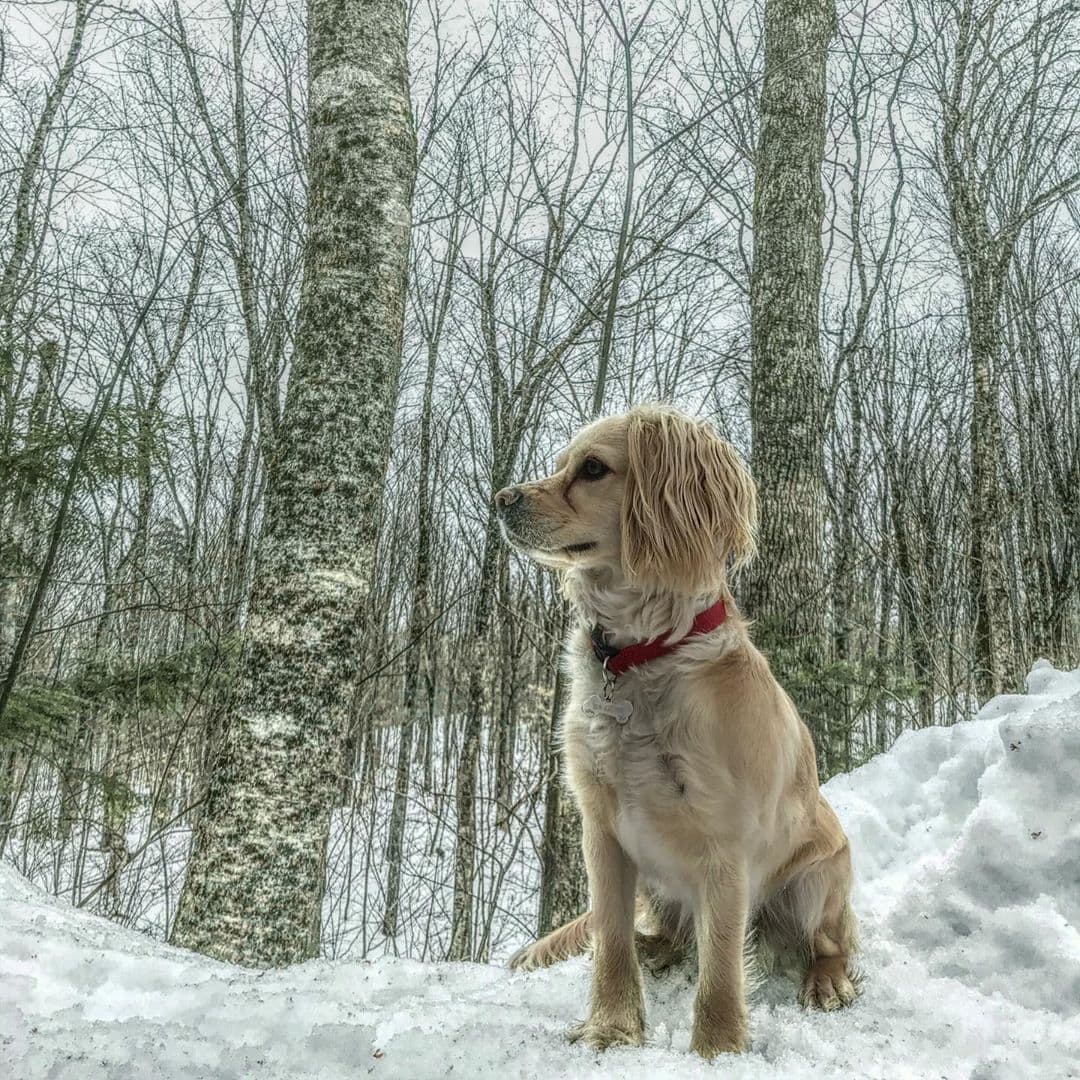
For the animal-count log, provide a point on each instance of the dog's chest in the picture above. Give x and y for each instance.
(622, 727)
(637, 759)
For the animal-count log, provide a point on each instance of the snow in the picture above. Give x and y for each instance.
(967, 848)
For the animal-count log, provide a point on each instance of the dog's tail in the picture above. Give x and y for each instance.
(571, 939)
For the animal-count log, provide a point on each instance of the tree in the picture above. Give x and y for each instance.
(787, 594)
(16, 497)
(255, 882)
(154, 328)
(1010, 129)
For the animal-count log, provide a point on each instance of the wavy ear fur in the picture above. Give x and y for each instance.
(690, 504)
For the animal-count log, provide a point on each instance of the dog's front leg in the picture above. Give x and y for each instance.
(616, 1012)
(720, 1005)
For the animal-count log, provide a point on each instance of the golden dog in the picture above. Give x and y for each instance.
(695, 775)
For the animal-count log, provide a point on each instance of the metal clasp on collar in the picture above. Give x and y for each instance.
(609, 680)
(596, 704)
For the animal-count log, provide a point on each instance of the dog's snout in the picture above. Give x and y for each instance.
(507, 498)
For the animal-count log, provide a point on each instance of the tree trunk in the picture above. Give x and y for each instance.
(9, 767)
(255, 882)
(418, 619)
(505, 695)
(786, 593)
(993, 646)
(563, 888)
(468, 762)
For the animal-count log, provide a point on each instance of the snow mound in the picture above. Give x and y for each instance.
(967, 850)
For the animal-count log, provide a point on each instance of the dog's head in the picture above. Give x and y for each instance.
(653, 494)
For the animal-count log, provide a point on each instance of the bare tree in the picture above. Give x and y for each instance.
(582, 230)
(787, 399)
(254, 887)
(1001, 70)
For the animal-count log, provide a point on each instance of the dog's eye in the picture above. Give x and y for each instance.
(592, 469)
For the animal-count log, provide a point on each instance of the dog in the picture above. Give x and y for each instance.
(695, 775)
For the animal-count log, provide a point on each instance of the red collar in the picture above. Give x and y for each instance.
(641, 652)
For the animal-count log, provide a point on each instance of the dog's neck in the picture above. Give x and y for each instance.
(629, 612)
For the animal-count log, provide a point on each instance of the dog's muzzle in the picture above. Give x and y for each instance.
(512, 508)
(509, 502)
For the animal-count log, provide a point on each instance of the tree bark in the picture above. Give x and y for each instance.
(563, 889)
(786, 593)
(461, 929)
(993, 645)
(255, 883)
(418, 620)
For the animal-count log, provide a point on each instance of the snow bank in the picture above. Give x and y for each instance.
(967, 847)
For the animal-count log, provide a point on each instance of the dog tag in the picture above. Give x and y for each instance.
(595, 705)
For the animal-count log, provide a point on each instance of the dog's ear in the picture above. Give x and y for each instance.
(690, 504)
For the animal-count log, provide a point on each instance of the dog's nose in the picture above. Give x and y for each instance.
(506, 498)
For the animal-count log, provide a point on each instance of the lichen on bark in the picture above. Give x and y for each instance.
(786, 593)
(255, 882)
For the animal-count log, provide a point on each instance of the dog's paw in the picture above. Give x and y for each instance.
(828, 985)
(530, 958)
(657, 953)
(725, 1036)
(600, 1034)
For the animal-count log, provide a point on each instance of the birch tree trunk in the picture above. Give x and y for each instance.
(786, 593)
(254, 887)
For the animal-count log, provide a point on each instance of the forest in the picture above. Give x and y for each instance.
(259, 384)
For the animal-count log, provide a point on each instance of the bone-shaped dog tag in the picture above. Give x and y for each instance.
(595, 705)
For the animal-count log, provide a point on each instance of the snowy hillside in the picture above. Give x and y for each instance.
(967, 848)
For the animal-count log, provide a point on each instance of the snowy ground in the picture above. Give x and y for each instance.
(506, 884)
(967, 846)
